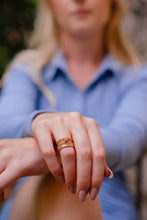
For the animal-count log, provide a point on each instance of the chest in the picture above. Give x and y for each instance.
(98, 101)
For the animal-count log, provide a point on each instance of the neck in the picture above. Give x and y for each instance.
(83, 50)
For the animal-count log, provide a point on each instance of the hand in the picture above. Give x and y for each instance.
(84, 165)
(19, 158)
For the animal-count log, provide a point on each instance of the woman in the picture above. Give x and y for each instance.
(83, 65)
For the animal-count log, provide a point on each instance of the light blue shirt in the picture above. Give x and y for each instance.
(116, 97)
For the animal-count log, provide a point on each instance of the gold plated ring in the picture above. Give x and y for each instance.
(65, 142)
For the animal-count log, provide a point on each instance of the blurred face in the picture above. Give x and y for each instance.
(81, 18)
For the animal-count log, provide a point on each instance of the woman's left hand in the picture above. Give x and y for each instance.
(84, 165)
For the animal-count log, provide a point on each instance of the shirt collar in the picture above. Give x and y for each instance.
(58, 62)
(110, 63)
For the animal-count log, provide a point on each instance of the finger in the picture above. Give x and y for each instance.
(45, 142)
(67, 154)
(108, 172)
(9, 176)
(83, 153)
(69, 167)
(1, 196)
(99, 157)
(2, 168)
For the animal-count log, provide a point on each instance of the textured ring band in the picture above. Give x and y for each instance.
(65, 142)
(64, 146)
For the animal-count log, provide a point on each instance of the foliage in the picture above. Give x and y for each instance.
(16, 22)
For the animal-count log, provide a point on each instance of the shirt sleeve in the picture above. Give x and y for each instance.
(18, 104)
(126, 136)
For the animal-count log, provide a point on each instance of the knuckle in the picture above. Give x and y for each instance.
(91, 122)
(83, 183)
(97, 181)
(70, 179)
(68, 153)
(85, 153)
(39, 125)
(55, 169)
(59, 119)
(100, 155)
(76, 115)
(48, 153)
(7, 154)
(94, 123)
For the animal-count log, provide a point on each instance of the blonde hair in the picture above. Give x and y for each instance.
(44, 42)
(115, 42)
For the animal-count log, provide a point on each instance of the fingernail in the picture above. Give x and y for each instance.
(73, 189)
(61, 179)
(108, 173)
(93, 193)
(82, 195)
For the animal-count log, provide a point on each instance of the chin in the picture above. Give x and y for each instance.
(84, 30)
(83, 33)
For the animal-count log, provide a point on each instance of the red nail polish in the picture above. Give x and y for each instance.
(108, 172)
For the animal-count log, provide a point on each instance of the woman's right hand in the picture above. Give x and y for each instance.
(84, 166)
(19, 158)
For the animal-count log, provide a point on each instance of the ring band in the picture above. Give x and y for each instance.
(65, 142)
(64, 146)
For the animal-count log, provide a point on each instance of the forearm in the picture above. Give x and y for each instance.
(17, 126)
(126, 134)
(13, 127)
(123, 147)
(18, 100)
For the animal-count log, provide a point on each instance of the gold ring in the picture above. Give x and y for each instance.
(65, 142)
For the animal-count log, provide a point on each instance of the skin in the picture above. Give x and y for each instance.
(53, 202)
(77, 25)
(26, 153)
(81, 39)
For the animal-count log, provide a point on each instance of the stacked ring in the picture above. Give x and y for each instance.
(65, 142)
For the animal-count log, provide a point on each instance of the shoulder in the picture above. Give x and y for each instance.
(24, 60)
(130, 76)
(23, 63)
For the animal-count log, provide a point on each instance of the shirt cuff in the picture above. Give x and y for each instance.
(30, 119)
(112, 146)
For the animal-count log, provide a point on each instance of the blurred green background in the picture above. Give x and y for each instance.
(16, 22)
